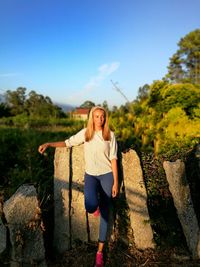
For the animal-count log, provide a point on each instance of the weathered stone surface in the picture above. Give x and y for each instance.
(137, 200)
(71, 221)
(22, 214)
(179, 188)
(2, 237)
(78, 213)
(61, 199)
(81, 228)
(93, 227)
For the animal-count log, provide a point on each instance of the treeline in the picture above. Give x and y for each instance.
(33, 105)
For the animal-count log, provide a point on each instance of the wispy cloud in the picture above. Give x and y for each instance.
(104, 71)
(11, 74)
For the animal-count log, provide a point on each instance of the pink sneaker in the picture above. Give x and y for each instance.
(99, 259)
(97, 212)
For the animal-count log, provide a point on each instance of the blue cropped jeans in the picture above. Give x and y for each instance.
(98, 193)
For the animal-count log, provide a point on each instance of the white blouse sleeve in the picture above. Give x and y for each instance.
(113, 147)
(76, 139)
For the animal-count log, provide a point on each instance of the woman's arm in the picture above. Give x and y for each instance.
(43, 147)
(115, 175)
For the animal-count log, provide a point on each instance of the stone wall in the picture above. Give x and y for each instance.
(69, 201)
(69, 167)
(20, 220)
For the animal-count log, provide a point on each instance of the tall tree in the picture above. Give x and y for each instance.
(38, 105)
(15, 100)
(184, 65)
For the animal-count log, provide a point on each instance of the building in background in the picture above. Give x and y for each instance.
(81, 113)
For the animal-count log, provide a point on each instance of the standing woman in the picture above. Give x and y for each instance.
(101, 173)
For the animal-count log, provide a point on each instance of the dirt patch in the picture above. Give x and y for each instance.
(124, 254)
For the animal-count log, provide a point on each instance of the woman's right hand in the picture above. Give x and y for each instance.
(43, 147)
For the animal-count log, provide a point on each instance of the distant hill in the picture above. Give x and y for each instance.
(65, 107)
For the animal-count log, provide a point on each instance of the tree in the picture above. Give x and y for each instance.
(87, 104)
(15, 100)
(40, 106)
(176, 131)
(4, 110)
(184, 65)
(155, 97)
(105, 105)
(143, 92)
(185, 96)
(33, 105)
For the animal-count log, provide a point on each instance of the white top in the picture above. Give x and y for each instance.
(98, 152)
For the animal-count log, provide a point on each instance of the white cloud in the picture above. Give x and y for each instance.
(104, 71)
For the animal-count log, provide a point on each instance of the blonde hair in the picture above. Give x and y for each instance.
(89, 133)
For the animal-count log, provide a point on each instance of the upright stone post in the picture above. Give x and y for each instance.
(78, 214)
(71, 223)
(136, 196)
(82, 227)
(179, 188)
(61, 199)
(22, 214)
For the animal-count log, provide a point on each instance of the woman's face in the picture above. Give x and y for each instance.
(98, 119)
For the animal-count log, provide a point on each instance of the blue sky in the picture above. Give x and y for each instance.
(70, 50)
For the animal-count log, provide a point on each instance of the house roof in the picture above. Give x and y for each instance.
(82, 111)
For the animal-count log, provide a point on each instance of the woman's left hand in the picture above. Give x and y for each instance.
(114, 190)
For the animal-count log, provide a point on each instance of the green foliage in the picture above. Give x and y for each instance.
(164, 96)
(25, 121)
(33, 105)
(196, 112)
(168, 118)
(185, 63)
(122, 124)
(186, 96)
(20, 161)
(143, 92)
(15, 100)
(4, 110)
(155, 96)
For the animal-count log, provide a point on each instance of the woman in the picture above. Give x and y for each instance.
(101, 174)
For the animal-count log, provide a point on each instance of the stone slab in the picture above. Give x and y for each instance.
(136, 196)
(179, 188)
